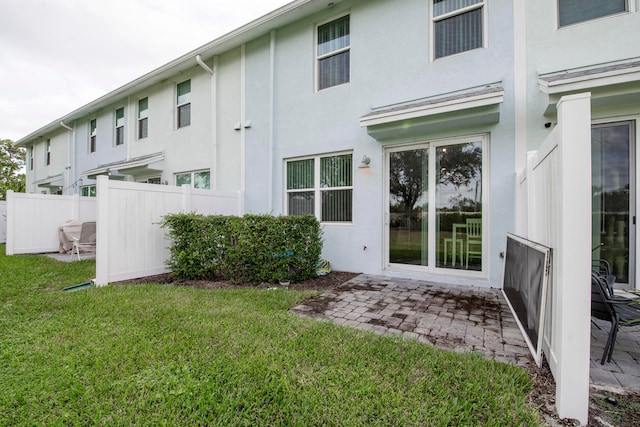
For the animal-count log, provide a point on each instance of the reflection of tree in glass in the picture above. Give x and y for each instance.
(407, 170)
(335, 171)
(459, 164)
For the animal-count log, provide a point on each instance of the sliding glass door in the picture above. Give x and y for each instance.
(613, 191)
(435, 205)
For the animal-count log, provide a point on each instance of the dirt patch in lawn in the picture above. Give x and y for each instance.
(606, 408)
(321, 283)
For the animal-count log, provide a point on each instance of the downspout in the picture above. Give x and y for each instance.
(272, 81)
(203, 65)
(71, 152)
(243, 132)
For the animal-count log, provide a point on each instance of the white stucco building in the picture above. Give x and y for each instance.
(438, 101)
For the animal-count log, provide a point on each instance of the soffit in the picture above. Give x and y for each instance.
(610, 84)
(135, 166)
(470, 107)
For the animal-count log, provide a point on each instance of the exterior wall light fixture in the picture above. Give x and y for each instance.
(365, 162)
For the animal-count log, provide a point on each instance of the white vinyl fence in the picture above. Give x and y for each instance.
(33, 220)
(130, 240)
(3, 221)
(554, 208)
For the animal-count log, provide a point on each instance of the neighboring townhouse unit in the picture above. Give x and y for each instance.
(578, 46)
(400, 124)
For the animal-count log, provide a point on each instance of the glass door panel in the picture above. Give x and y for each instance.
(408, 197)
(458, 193)
(612, 191)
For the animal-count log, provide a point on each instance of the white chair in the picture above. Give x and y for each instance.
(87, 238)
(474, 239)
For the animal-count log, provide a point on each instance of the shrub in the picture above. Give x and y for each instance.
(249, 249)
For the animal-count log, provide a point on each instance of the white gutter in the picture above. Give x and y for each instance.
(71, 153)
(203, 65)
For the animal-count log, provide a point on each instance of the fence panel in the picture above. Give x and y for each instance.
(130, 241)
(33, 220)
(3, 221)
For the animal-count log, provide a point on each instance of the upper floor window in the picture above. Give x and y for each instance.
(120, 126)
(47, 152)
(321, 186)
(574, 11)
(183, 103)
(92, 135)
(333, 53)
(143, 118)
(196, 179)
(457, 26)
(31, 158)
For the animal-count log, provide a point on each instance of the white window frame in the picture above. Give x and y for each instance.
(431, 268)
(317, 189)
(31, 150)
(183, 104)
(192, 179)
(93, 132)
(319, 57)
(143, 115)
(485, 38)
(630, 6)
(119, 125)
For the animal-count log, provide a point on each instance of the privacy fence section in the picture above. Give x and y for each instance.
(3, 221)
(33, 220)
(554, 199)
(130, 240)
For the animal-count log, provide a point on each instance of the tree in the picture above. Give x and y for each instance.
(12, 162)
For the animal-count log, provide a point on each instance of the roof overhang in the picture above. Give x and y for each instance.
(467, 108)
(259, 27)
(615, 83)
(50, 181)
(137, 166)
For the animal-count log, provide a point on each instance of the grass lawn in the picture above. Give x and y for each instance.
(166, 355)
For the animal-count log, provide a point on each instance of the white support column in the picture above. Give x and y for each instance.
(573, 258)
(102, 231)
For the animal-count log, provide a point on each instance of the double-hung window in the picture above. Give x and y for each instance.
(92, 135)
(574, 11)
(196, 179)
(143, 118)
(47, 152)
(333, 53)
(321, 186)
(120, 126)
(183, 103)
(31, 158)
(458, 26)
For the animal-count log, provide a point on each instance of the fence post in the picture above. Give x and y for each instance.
(9, 247)
(572, 290)
(102, 231)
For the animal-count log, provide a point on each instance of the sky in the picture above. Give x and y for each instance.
(58, 55)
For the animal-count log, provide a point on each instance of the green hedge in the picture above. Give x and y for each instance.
(249, 249)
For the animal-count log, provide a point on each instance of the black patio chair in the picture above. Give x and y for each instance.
(617, 310)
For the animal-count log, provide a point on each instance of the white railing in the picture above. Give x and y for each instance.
(553, 204)
(130, 241)
(33, 220)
